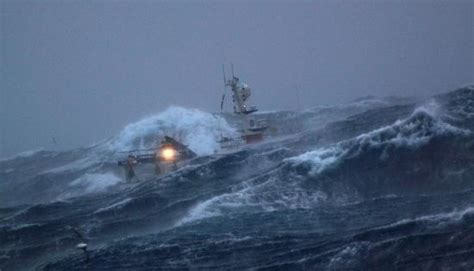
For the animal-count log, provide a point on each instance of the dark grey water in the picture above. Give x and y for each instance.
(372, 185)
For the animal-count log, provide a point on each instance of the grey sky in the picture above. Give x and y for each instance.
(80, 70)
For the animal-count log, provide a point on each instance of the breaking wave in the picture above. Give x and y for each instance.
(197, 129)
(91, 183)
(417, 130)
(381, 186)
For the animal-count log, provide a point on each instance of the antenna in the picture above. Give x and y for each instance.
(232, 66)
(223, 72)
(225, 84)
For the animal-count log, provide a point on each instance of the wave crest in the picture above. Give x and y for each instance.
(195, 128)
(412, 132)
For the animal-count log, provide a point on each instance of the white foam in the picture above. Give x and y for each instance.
(91, 183)
(115, 206)
(200, 211)
(195, 128)
(413, 132)
(73, 166)
(24, 154)
(347, 256)
(321, 158)
(436, 220)
(271, 195)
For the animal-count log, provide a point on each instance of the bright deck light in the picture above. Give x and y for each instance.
(168, 154)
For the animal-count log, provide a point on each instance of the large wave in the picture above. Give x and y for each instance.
(374, 164)
(381, 187)
(419, 154)
(417, 130)
(46, 176)
(197, 129)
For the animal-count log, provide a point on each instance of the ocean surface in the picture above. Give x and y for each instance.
(374, 184)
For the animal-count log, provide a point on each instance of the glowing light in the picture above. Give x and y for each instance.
(168, 154)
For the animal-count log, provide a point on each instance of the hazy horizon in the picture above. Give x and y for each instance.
(80, 71)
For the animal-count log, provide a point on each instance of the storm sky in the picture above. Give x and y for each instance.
(81, 70)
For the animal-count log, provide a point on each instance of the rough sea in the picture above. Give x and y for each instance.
(374, 184)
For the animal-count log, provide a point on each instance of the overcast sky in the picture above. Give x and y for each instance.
(81, 70)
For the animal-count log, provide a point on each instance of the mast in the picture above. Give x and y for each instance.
(240, 93)
(252, 128)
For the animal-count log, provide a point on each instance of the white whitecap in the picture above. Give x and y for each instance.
(197, 129)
